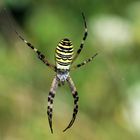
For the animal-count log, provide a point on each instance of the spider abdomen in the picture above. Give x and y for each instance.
(64, 54)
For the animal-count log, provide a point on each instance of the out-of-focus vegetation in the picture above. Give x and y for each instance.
(109, 87)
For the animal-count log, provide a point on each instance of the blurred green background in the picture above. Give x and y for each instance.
(108, 87)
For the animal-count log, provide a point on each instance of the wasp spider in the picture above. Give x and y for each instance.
(64, 58)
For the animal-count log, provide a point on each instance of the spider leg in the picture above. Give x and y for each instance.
(83, 40)
(39, 54)
(76, 98)
(50, 101)
(83, 63)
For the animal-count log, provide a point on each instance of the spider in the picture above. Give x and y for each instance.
(64, 58)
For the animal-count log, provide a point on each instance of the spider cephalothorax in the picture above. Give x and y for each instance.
(62, 75)
(64, 59)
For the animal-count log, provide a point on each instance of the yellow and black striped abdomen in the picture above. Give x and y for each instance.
(64, 54)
